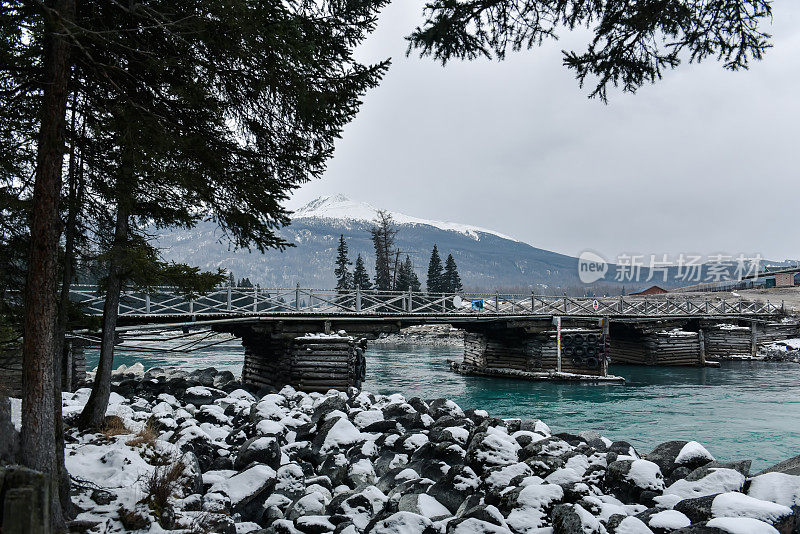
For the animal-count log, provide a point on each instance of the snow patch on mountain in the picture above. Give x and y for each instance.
(339, 207)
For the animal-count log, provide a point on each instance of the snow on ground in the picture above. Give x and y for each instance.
(719, 480)
(691, 452)
(303, 463)
(646, 474)
(669, 519)
(734, 504)
(742, 525)
(633, 525)
(779, 488)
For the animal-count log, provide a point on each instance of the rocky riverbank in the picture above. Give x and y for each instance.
(781, 351)
(427, 335)
(195, 452)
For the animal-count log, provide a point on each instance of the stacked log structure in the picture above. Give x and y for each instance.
(778, 330)
(725, 340)
(73, 369)
(307, 363)
(320, 364)
(664, 347)
(582, 352)
(674, 347)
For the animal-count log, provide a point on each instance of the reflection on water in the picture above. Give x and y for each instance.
(741, 410)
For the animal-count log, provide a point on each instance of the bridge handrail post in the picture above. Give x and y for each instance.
(147, 303)
(621, 304)
(255, 299)
(410, 301)
(358, 298)
(496, 302)
(297, 297)
(533, 301)
(191, 306)
(228, 304)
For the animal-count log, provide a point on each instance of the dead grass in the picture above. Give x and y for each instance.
(133, 519)
(146, 436)
(161, 484)
(114, 426)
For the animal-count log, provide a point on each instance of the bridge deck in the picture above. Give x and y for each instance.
(230, 303)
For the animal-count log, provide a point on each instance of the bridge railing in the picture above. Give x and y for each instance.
(255, 300)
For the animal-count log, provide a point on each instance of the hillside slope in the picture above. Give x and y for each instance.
(486, 259)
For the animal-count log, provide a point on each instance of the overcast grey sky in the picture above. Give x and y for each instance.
(705, 161)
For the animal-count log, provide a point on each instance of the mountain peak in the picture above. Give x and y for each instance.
(343, 208)
(336, 207)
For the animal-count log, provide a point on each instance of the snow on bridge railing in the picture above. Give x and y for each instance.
(229, 300)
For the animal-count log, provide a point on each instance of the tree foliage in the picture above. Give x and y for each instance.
(451, 280)
(344, 278)
(407, 279)
(360, 275)
(177, 112)
(383, 233)
(633, 42)
(435, 280)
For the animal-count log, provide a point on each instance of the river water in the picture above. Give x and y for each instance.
(740, 410)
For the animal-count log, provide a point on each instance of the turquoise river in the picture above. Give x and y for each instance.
(741, 410)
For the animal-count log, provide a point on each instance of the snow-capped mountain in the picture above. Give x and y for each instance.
(342, 208)
(485, 258)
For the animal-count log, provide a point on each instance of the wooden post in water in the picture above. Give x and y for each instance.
(558, 343)
(702, 339)
(606, 332)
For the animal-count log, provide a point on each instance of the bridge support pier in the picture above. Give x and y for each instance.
(73, 368)
(313, 362)
(535, 350)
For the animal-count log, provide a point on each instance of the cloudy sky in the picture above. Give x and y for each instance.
(705, 161)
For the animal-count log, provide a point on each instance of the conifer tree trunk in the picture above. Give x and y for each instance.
(70, 228)
(93, 415)
(38, 403)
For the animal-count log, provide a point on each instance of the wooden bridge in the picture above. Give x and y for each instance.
(168, 303)
(289, 335)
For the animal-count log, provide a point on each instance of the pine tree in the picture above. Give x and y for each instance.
(168, 146)
(403, 281)
(344, 279)
(452, 280)
(360, 275)
(406, 277)
(383, 235)
(627, 49)
(435, 282)
(414, 283)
